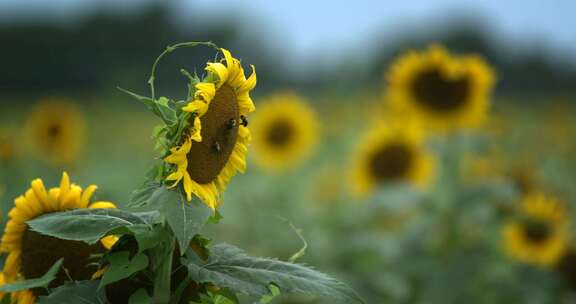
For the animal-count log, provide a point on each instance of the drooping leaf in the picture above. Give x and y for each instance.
(140, 297)
(84, 292)
(230, 267)
(186, 219)
(87, 225)
(121, 266)
(42, 281)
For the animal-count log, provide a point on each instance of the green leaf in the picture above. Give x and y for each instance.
(84, 292)
(140, 297)
(87, 225)
(230, 267)
(167, 113)
(186, 219)
(149, 102)
(43, 281)
(274, 292)
(121, 266)
(140, 197)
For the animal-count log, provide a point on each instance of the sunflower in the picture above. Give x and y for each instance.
(7, 145)
(391, 152)
(56, 128)
(215, 146)
(285, 132)
(441, 89)
(539, 234)
(31, 254)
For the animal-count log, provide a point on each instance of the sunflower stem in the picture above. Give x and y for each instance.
(170, 49)
(162, 262)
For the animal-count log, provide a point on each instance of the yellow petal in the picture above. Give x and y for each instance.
(64, 184)
(205, 91)
(197, 106)
(86, 195)
(219, 70)
(102, 205)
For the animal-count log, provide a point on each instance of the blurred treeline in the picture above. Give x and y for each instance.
(103, 50)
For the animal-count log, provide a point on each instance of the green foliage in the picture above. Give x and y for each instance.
(87, 225)
(85, 292)
(122, 266)
(186, 219)
(42, 281)
(230, 267)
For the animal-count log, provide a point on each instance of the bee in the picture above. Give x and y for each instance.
(243, 120)
(231, 124)
(217, 147)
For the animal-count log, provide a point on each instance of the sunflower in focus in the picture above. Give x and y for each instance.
(539, 233)
(389, 153)
(31, 254)
(285, 132)
(443, 90)
(215, 146)
(56, 128)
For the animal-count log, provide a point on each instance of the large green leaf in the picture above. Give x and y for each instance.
(121, 266)
(230, 267)
(82, 292)
(186, 219)
(42, 281)
(140, 197)
(88, 225)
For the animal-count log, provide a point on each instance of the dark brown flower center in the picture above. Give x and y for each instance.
(219, 133)
(53, 131)
(280, 133)
(40, 252)
(537, 231)
(438, 93)
(391, 162)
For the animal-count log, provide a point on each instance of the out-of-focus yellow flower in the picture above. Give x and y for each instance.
(57, 130)
(285, 132)
(443, 90)
(391, 152)
(539, 233)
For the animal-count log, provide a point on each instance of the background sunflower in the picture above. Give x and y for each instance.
(285, 132)
(539, 235)
(441, 89)
(391, 152)
(56, 130)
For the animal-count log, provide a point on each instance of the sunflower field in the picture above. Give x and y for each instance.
(229, 184)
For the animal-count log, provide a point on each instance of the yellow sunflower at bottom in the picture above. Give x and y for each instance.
(215, 146)
(56, 130)
(539, 233)
(443, 90)
(389, 153)
(285, 132)
(31, 254)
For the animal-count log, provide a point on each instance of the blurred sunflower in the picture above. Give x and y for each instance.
(539, 234)
(389, 153)
(215, 147)
(285, 132)
(7, 145)
(31, 254)
(442, 90)
(56, 128)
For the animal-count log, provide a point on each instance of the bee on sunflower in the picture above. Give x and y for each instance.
(285, 132)
(213, 147)
(56, 129)
(31, 254)
(389, 153)
(538, 235)
(441, 89)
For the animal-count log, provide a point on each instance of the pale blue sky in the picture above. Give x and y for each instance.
(307, 29)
